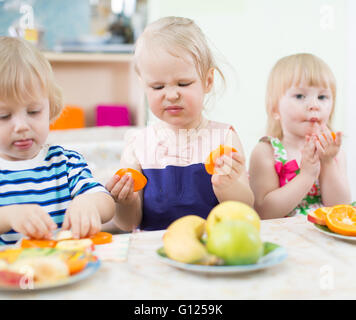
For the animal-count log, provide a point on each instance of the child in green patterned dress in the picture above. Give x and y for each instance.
(299, 166)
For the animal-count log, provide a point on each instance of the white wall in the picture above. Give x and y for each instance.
(252, 35)
(351, 102)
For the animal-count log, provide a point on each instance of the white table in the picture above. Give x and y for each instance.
(317, 267)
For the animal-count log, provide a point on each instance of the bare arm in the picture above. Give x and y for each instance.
(271, 200)
(334, 182)
(333, 178)
(128, 203)
(231, 182)
(5, 214)
(103, 202)
(128, 216)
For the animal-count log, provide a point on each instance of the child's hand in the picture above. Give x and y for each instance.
(227, 169)
(326, 146)
(121, 189)
(310, 163)
(82, 217)
(31, 220)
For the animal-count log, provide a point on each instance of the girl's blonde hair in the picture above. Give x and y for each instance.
(25, 74)
(174, 34)
(293, 70)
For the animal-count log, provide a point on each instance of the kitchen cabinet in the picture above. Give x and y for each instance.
(91, 79)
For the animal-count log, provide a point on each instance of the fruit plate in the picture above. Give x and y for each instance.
(89, 270)
(326, 230)
(273, 254)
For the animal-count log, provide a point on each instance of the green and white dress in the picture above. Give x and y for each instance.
(286, 171)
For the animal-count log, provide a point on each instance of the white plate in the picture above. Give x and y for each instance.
(327, 231)
(90, 269)
(274, 257)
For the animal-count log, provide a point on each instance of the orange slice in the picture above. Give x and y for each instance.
(318, 216)
(31, 243)
(101, 238)
(218, 152)
(342, 219)
(139, 179)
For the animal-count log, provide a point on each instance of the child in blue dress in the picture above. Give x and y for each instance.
(177, 70)
(42, 187)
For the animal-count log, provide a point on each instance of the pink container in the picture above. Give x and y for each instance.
(110, 115)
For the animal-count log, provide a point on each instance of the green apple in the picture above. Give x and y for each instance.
(232, 210)
(237, 242)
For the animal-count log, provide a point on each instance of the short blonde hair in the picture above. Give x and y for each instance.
(174, 33)
(23, 71)
(292, 70)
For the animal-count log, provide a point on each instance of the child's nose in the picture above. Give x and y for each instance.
(313, 105)
(20, 124)
(172, 94)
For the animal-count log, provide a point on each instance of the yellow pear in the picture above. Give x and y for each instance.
(182, 243)
(232, 210)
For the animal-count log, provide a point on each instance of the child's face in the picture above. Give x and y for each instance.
(173, 87)
(303, 109)
(23, 129)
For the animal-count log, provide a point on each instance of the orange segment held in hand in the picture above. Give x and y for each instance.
(139, 179)
(342, 219)
(332, 134)
(218, 152)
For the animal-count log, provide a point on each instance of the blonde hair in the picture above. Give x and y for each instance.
(25, 74)
(174, 33)
(293, 70)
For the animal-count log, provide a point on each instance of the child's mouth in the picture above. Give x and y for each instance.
(314, 120)
(23, 144)
(174, 109)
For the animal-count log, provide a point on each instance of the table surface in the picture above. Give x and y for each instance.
(318, 266)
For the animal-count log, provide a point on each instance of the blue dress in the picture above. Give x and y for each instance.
(174, 165)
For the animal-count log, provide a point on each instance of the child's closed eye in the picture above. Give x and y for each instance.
(33, 112)
(4, 116)
(158, 87)
(184, 84)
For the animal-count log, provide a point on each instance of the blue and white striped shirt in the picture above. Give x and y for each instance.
(51, 179)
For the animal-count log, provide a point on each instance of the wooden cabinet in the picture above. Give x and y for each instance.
(91, 79)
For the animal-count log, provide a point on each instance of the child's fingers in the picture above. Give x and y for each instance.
(338, 138)
(112, 182)
(116, 190)
(126, 189)
(47, 220)
(238, 157)
(42, 230)
(223, 165)
(95, 224)
(320, 145)
(308, 147)
(66, 222)
(84, 225)
(74, 223)
(29, 230)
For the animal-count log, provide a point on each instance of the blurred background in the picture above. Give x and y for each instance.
(89, 44)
